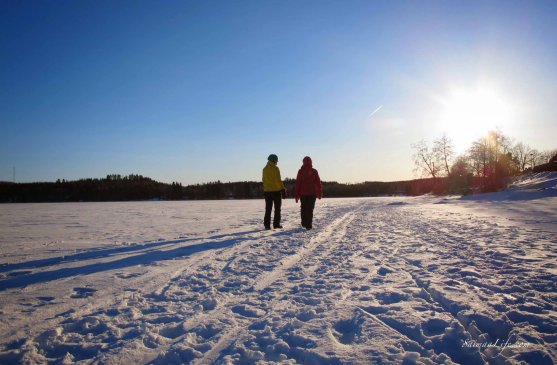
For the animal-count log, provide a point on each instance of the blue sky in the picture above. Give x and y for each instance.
(197, 91)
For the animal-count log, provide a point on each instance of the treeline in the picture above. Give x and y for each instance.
(378, 188)
(111, 188)
(486, 166)
(138, 188)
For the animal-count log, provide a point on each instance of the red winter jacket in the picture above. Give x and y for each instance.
(308, 181)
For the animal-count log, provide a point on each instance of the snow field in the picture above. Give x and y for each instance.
(383, 280)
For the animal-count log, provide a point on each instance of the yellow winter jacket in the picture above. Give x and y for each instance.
(271, 178)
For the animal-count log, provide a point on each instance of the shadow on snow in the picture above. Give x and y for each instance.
(105, 252)
(146, 258)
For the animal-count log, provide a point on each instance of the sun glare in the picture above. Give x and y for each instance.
(468, 115)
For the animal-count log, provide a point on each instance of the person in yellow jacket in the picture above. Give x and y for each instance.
(273, 189)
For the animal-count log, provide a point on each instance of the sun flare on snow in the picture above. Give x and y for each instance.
(468, 115)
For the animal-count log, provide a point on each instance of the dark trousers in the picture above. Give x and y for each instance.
(306, 209)
(272, 197)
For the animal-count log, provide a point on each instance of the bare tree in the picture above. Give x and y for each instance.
(505, 142)
(546, 156)
(498, 145)
(534, 157)
(478, 155)
(553, 154)
(521, 152)
(425, 160)
(486, 153)
(443, 149)
(493, 157)
(460, 167)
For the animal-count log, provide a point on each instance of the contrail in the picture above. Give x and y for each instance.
(375, 111)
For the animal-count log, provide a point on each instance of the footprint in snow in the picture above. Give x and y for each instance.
(172, 331)
(247, 311)
(46, 299)
(82, 292)
(384, 271)
(391, 297)
(345, 331)
(434, 327)
(122, 275)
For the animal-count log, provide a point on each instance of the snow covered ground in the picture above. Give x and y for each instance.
(424, 280)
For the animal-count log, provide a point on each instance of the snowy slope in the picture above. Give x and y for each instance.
(378, 281)
(528, 187)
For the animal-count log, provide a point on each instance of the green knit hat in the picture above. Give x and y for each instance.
(272, 157)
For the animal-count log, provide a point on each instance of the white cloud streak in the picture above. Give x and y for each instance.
(375, 111)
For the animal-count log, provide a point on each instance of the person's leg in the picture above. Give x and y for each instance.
(303, 210)
(268, 208)
(311, 205)
(302, 215)
(277, 199)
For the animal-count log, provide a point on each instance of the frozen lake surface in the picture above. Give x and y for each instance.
(423, 280)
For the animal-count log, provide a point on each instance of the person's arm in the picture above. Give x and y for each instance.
(280, 180)
(298, 186)
(264, 178)
(318, 184)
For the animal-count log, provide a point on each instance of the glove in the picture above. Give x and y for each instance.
(297, 198)
(283, 193)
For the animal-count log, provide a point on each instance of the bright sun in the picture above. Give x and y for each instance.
(468, 115)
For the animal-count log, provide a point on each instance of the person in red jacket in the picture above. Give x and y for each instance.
(308, 189)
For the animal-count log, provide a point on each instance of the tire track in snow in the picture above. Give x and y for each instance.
(333, 236)
(192, 262)
(335, 230)
(387, 253)
(510, 265)
(148, 282)
(348, 304)
(74, 310)
(192, 266)
(203, 256)
(459, 251)
(433, 235)
(222, 311)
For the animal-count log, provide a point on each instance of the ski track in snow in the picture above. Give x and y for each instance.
(378, 281)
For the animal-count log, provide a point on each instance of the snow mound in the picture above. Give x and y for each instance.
(537, 181)
(528, 187)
